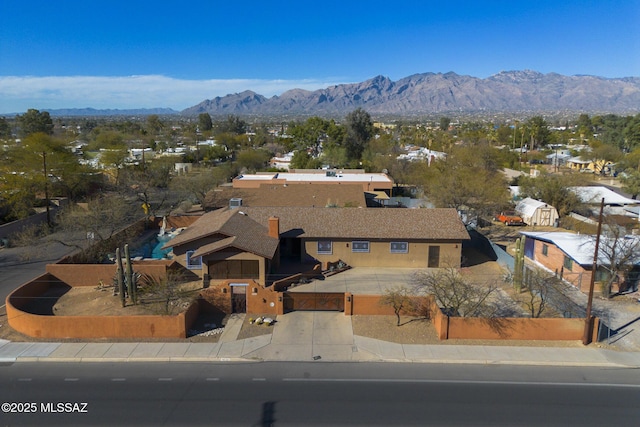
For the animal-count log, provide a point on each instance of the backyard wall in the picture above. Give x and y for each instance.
(92, 274)
(49, 326)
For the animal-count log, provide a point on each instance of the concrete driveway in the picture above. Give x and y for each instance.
(360, 280)
(311, 335)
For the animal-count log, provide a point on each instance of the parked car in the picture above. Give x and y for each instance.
(509, 218)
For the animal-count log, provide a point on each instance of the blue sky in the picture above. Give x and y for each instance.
(133, 54)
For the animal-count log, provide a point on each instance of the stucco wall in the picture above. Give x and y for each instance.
(42, 326)
(93, 274)
(380, 255)
(516, 329)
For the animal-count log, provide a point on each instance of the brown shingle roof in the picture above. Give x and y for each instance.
(318, 195)
(431, 224)
(246, 233)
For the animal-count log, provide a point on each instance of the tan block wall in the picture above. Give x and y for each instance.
(259, 299)
(379, 254)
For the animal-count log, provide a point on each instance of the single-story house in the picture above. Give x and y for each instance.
(570, 255)
(248, 242)
(535, 212)
(318, 195)
(368, 181)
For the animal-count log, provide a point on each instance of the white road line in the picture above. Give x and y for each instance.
(72, 379)
(118, 379)
(212, 379)
(165, 379)
(24, 379)
(258, 379)
(525, 383)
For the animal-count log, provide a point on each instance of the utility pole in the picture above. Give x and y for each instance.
(588, 321)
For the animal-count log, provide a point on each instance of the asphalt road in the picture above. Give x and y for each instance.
(297, 394)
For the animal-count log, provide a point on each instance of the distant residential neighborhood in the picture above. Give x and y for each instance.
(241, 211)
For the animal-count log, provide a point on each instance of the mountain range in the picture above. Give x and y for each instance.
(508, 91)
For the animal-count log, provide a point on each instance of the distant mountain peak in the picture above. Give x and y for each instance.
(524, 90)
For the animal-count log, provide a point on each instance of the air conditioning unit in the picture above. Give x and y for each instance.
(235, 202)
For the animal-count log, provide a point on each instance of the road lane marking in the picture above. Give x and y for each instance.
(258, 379)
(24, 379)
(523, 383)
(72, 379)
(212, 379)
(165, 379)
(118, 379)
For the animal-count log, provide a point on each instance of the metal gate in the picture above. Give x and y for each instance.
(313, 301)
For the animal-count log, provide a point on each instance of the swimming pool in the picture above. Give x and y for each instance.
(152, 249)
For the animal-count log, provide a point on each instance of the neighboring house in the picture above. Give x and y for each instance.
(368, 181)
(603, 167)
(281, 162)
(318, 195)
(567, 254)
(614, 203)
(248, 243)
(535, 212)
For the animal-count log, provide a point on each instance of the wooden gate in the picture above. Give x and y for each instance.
(313, 301)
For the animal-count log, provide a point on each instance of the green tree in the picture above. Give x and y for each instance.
(252, 160)
(444, 123)
(631, 182)
(204, 122)
(359, 129)
(154, 124)
(553, 190)
(233, 124)
(538, 131)
(5, 129)
(34, 121)
(469, 180)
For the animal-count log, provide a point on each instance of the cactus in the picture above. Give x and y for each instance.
(120, 277)
(131, 285)
(519, 264)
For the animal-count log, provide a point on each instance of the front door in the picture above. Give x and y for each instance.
(239, 299)
(434, 257)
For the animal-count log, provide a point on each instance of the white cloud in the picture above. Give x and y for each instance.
(18, 93)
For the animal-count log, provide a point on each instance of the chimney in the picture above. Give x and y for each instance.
(274, 227)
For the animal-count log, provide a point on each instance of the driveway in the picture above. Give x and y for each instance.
(311, 335)
(360, 280)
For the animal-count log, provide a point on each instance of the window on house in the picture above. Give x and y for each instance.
(359, 246)
(324, 247)
(434, 257)
(399, 247)
(568, 263)
(545, 249)
(193, 263)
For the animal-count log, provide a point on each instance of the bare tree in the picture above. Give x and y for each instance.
(456, 295)
(618, 253)
(540, 289)
(165, 294)
(399, 298)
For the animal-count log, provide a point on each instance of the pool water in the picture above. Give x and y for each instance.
(153, 248)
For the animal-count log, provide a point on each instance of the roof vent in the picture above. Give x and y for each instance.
(235, 202)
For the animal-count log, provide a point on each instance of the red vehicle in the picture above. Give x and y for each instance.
(509, 218)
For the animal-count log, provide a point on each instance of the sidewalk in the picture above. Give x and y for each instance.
(312, 336)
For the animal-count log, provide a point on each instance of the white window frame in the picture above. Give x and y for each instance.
(191, 265)
(360, 243)
(399, 251)
(324, 251)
